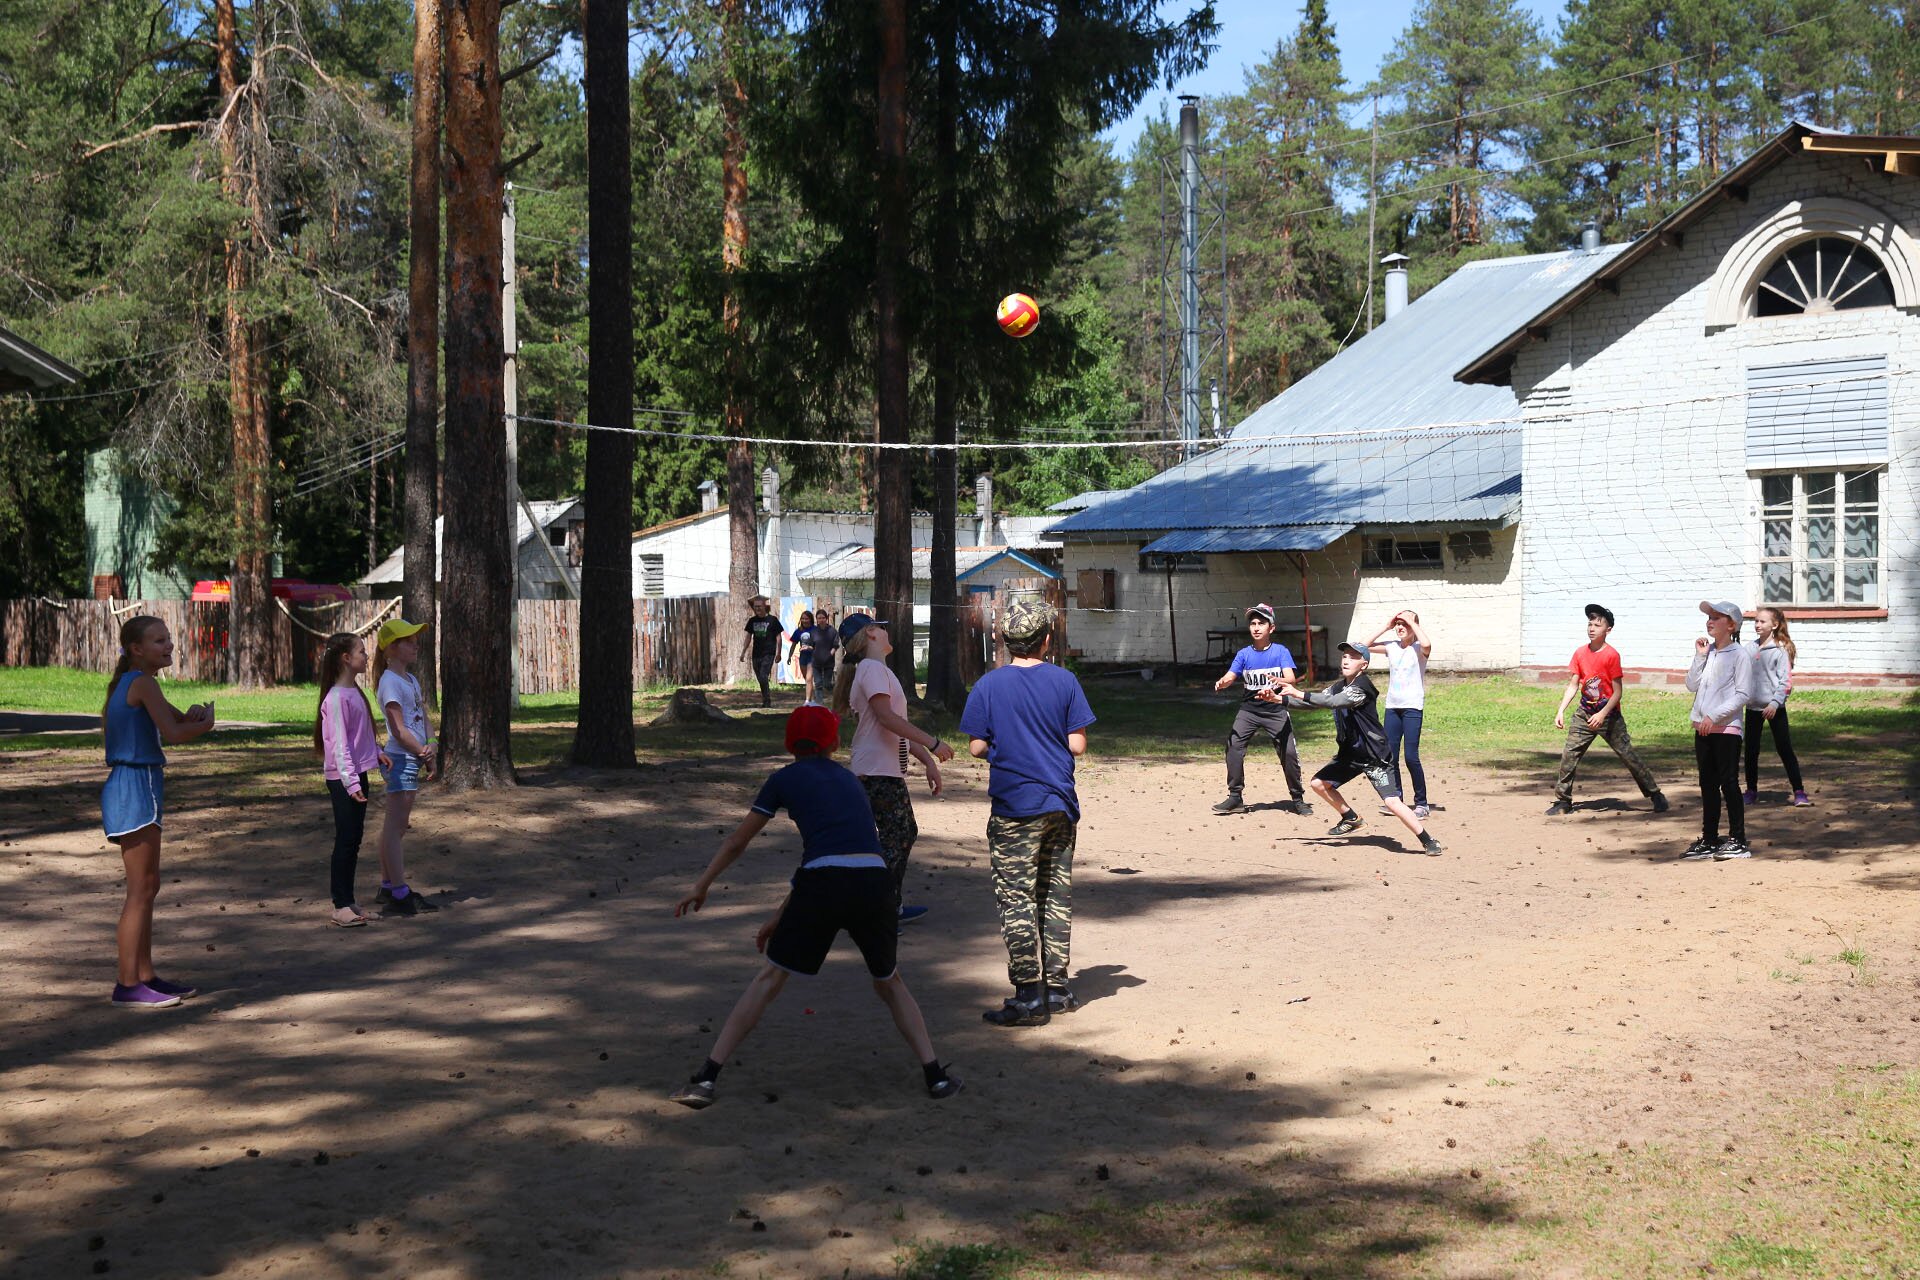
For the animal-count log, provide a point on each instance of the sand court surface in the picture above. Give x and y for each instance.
(481, 1092)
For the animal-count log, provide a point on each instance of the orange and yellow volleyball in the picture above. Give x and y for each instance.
(1019, 315)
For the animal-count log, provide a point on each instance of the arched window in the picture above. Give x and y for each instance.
(1820, 276)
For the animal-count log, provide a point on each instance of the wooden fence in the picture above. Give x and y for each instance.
(674, 640)
(981, 647)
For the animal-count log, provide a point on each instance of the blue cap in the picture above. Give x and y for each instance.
(854, 623)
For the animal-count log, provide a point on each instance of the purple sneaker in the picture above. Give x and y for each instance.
(1800, 798)
(166, 988)
(1750, 797)
(142, 996)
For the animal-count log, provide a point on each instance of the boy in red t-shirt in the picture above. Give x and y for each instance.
(1597, 681)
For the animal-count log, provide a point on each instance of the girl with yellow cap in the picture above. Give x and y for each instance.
(410, 750)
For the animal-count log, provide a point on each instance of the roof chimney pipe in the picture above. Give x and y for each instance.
(1396, 265)
(709, 495)
(770, 491)
(1590, 236)
(983, 510)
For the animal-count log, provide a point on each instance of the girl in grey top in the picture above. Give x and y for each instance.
(1773, 655)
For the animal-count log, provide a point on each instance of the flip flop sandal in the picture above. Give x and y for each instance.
(358, 922)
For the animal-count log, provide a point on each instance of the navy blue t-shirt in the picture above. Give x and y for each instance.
(1025, 715)
(1260, 669)
(830, 807)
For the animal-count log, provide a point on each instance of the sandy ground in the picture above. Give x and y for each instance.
(480, 1093)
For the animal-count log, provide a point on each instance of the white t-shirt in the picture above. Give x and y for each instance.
(876, 753)
(1406, 677)
(403, 690)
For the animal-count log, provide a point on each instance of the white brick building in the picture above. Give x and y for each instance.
(1725, 410)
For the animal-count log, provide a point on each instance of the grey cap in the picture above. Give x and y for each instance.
(1733, 612)
(1357, 649)
(1261, 610)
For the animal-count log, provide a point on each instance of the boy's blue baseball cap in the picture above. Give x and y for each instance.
(854, 623)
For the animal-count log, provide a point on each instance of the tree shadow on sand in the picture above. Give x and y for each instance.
(488, 1099)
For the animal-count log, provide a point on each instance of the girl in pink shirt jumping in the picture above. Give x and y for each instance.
(343, 738)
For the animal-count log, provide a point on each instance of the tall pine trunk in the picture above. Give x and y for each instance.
(421, 590)
(250, 609)
(478, 690)
(893, 509)
(943, 638)
(605, 734)
(743, 542)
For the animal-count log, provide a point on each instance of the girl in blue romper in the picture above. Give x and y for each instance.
(137, 718)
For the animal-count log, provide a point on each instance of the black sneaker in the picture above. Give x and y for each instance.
(1299, 807)
(694, 1093)
(1660, 804)
(406, 906)
(383, 897)
(1346, 825)
(1231, 804)
(1429, 845)
(1559, 807)
(1061, 1000)
(1700, 850)
(1025, 1008)
(945, 1088)
(1731, 849)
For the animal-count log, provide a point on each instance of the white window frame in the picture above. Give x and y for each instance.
(1799, 558)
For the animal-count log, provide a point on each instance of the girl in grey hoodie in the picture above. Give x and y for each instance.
(1773, 656)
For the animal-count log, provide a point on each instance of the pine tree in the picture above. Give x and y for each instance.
(1294, 265)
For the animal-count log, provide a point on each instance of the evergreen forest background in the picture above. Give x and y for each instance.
(1495, 136)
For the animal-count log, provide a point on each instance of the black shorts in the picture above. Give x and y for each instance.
(1385, 783)
(825, 901)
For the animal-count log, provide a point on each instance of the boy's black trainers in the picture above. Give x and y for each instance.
(1731, 849)
(1559, 807)
(1429, 845)
(1026, 1007)
(406, 906)
(1231, 804)
(694, 1093)
(1700, 850)
(1300, 807)
(1660, 804)
(1346, 825)
(945, 1087)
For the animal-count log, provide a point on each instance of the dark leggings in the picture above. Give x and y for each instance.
(349, 825)
(1403, 727)
(1782, 742)
(1718, 756)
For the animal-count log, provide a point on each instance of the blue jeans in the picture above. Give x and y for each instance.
(1403, 726)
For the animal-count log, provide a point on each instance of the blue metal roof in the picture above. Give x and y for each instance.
(1296, 460)
(1278, 537)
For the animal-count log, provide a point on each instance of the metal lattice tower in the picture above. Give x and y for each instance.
(1193, 288)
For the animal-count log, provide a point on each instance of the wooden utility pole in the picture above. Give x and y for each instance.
(892, 468)
(743, 541)
(944, 686)
(250, 607)
(477, 677)
(421, 591)
(604, 737)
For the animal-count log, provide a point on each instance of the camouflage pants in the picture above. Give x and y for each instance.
(893, 819)
(1033, 883)
(1580, 737)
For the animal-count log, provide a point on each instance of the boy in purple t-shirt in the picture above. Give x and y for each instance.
(1260, 666)
(1029, 721)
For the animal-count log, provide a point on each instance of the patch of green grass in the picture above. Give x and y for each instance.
(1745, 1255)
(959, 1262)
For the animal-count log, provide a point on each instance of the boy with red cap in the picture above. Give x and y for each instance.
(843, 883)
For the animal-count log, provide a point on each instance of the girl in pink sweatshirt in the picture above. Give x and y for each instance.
(343, 737)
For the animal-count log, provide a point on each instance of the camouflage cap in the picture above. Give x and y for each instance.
(1026, 619)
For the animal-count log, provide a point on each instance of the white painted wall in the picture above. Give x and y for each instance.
(1471, 610)
(1647, 507)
